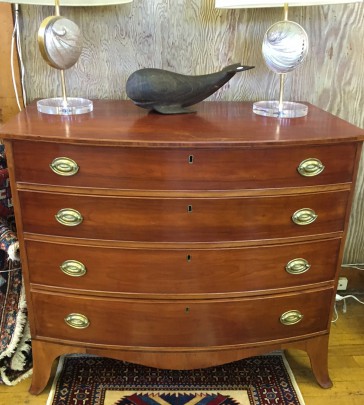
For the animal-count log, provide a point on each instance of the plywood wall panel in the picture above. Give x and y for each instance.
(354, 248)
(8, 103)
(192, 37)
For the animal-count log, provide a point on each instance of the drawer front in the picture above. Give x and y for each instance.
(177, 271)
(182, 169)
(181, 220)
(179, 324)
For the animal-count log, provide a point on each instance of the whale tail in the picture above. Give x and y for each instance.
(236, 67)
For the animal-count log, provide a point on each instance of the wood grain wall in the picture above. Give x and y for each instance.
(192, 37)
(8, 104)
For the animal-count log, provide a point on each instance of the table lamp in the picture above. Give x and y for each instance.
(284, 48)
(60, 44)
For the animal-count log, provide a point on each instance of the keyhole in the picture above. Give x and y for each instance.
(189, 208)
(189, 258)
(190, 159)
(187, 310)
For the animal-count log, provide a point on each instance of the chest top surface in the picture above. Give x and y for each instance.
(214, 124)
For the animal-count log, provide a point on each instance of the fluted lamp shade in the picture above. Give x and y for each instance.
(284, 48)
(60, 44)
(276, 3)
(68, 3)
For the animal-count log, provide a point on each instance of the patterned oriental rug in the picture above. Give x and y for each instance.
(15, 344)
(91, 380)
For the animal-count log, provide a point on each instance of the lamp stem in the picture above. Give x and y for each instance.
(282, 76)
(285, 12)
(56, 5)
(281, 87)
(63, 82)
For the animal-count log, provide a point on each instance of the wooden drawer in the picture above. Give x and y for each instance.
(158, 323)
(183, 219)
(177, 271)
(183, 168)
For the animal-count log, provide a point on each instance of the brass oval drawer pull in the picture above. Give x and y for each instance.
(77, 321)
(304, 216)
(64, 166)
(69, 217)
(73, 268)
(291, 317)
(310, 167)
(297, 266)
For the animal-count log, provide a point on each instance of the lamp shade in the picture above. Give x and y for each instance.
(276, 3)
(67, 3)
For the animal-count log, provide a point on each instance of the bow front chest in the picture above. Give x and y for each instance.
(181, 241)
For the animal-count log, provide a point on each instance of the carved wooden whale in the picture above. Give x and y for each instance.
(170, 93)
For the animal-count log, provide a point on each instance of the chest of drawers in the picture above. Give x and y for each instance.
(180, 241)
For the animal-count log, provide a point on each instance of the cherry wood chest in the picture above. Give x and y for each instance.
(180, 241)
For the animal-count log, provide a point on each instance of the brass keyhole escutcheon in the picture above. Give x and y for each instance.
(187, 310)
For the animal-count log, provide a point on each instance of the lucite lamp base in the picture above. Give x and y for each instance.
(289, 109)
(57, 106)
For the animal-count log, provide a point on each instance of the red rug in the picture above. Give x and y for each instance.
(89, 380)
(15, 348)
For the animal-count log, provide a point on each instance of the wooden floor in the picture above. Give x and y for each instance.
(346, 364)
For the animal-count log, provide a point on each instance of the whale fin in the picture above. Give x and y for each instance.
(172, 109)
